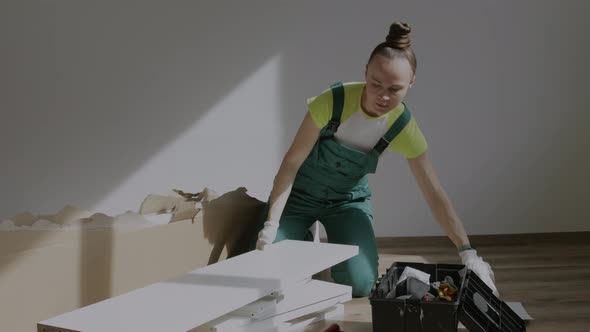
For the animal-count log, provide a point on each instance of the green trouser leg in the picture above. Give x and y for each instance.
(351, 223)
(347, 222)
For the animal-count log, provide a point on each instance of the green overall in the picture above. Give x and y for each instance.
(332, 186)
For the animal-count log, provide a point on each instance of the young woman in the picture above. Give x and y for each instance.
(323, 176)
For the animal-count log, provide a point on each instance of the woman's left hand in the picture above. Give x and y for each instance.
(480, 267)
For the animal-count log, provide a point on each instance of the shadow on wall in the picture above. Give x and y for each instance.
(229, 223)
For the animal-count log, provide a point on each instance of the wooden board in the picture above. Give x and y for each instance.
(185, 302)
(328, 309)
(261, 308)
(332, 313)
(278, 322)
(295, 301)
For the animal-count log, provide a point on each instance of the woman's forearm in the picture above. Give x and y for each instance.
(283, 182)
(445, 215)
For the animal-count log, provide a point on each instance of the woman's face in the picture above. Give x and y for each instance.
(388, 81)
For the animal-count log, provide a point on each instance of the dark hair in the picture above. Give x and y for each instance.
(396, 44)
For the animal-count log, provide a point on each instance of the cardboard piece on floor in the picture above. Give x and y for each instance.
(159, 204)
(186, 302)
(180, 207)
(185, 210)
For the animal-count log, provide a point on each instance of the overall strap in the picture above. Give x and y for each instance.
(399, 124)
(337, 106)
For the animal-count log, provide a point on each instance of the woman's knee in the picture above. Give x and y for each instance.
(360, 275)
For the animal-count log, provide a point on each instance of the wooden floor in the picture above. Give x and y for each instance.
(548, 273)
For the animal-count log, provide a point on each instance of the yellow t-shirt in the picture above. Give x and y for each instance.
(362, 131)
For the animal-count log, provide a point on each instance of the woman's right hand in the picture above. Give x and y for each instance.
(267, 235)
(303, 143)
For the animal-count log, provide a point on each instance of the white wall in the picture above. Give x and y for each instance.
(105, 102)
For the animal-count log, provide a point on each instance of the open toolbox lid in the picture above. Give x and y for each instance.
(481, 311)
(188, 301)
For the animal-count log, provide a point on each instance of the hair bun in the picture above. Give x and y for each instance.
(399, 35)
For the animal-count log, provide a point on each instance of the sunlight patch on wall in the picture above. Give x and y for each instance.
(235, 143)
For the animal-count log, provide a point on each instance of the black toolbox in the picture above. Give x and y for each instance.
(475, 306)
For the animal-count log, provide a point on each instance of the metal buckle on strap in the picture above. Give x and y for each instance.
(382, 145)
(333, 125)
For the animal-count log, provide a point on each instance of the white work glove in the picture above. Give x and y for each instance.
(267, 235)
(483, 270)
